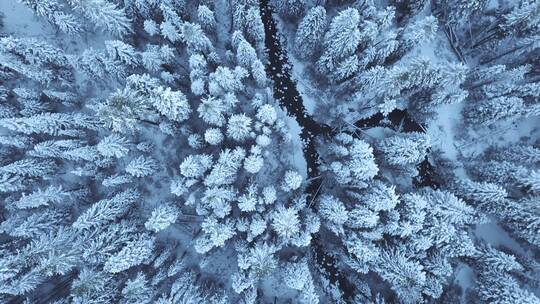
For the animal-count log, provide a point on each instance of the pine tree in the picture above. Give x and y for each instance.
(245, 54)
(501, 172)
(522, 19)
(211, 110)
(310, 32)
(34, 225)
(121, 52)
(162, 217)
(292, 180)
(134, 253)
(49, 123)
(106, 210)
(346, 68)
(259, 73)
(152, 58)
(418, 31)
(521, 219)
(341, 39)
(194, 166)
(490, 111)
(213, 136)
(290, 8)
(113, 145)
(169, 31)
(218, 199)
(255, 26)
(11, 183)
(355, 162)
(334, 212)
(198, 73)
(215, 235)
(142, 166)
(225, 80)
(50, 195)
(483, 193)
(495, 282)
(402, 150)
(296, 275)
(104, 14)
(257, 227)
(406, 277)
(137, 290)
(123, 111)
(285, 222)
(30, 167)
(531, 182)
(248, 201)
(184, 290)
(239, 127)
(254, 163)
(53, 12)
(92, 286)
(172, 104)
(458, 10)
(206, 17)
(518, 153)
(261, 259)
(97, 66)
(267, 114)
(151, 27)
(194, 37)
(117, 180)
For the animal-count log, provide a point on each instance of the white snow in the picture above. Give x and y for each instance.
(296, 156)
(19, 21)
(496, 236)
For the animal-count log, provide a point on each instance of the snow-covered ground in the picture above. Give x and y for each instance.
(19, 21)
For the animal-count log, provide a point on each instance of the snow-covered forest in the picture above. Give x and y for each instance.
(269, 151)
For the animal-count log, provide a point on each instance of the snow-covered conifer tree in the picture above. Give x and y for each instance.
(134, 253)
(142, 166)
(106, 210)
(113, 145)
(206, 17)
(211, 110)
(52, 10)
(254, 163)
(290, 8)
(254, 26)
(215, 235)
(341, 39)
(490, 111)
(50, 195)
(239, 127)
(151, 27)
(172, 104)
(333, 211)
(195, 38)
(310, 32)
(402, 150)
(104, 14)
(245, 54)
(195, 165)
(292, 180)
(226, 168)
(162, 217)
(213, 136)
